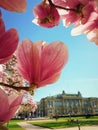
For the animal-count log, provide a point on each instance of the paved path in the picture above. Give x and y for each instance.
(28, 126)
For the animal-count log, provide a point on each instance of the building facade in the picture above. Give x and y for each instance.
(67, 105)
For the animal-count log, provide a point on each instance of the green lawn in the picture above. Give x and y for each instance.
(12, 125)
(60, 123)
(65, 122)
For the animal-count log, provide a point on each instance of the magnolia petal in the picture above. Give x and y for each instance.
(60, 3)
(14, 5)
(11, 98)
(8, 44)
(2, 27)
(35, 22)
(16, 100)
(4, 60)
(53, 58)
(13, 108)
(22, 54)
(87, 10)
(49, 80)
(28, 59)
(77, 30)
(93, 36)
(3, 103)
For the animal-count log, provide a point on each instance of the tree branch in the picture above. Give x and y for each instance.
(60, 7)
(15, 87)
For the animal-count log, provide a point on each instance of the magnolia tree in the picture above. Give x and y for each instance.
(30, 65)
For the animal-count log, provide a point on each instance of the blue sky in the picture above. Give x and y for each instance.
(81, 71)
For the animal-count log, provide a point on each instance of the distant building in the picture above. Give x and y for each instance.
(66, 105)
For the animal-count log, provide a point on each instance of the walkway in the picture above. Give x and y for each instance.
(28, 126)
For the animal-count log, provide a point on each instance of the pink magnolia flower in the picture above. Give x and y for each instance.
(13, 5)
(89, 26)
(8, 42)
(41, 63)
(79, 10)
(9, 105)
(45, 15)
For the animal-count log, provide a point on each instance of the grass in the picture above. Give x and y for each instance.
(65, 122)
(59, 123)
(12, 125)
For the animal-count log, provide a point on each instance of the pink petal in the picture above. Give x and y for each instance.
(13, 108)
(49, 80)
(3, 103)
(28, 59)
(59, 2)
(2, 26)
(8, 44)
(53, 58)
(69, 18)
(87, 10)
(11, 98)
(16, 100)
(14, 5)
(93, 36)
(4, 60)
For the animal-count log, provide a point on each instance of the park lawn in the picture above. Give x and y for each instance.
(12, 125)
(64, 123)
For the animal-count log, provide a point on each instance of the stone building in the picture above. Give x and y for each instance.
(67, 105)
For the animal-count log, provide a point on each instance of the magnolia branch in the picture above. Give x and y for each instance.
(29, 89)
(60, 7)
(15, 87)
